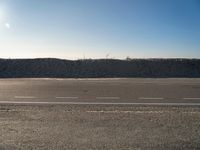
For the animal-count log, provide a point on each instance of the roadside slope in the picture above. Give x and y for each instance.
(57, 68)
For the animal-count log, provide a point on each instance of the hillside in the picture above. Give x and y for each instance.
(58, 68)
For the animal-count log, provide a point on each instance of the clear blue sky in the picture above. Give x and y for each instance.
(74, 29)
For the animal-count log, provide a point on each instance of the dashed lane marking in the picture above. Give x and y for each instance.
(192, 98)
(151, 98)
(67, 97)
(24, 97)
(107, 98)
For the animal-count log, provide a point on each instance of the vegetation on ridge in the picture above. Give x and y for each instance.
(90, 68)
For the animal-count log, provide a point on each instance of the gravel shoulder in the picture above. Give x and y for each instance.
(99, 127)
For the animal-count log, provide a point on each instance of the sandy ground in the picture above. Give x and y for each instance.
(99, 127)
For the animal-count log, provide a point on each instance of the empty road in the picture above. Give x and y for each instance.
(101, 91)
(100, 114)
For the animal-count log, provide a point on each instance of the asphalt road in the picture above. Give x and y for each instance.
(101, 114)
(101, 91)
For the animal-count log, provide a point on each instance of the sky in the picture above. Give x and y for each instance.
(76, 29)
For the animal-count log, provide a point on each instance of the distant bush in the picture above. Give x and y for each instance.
(89, 68)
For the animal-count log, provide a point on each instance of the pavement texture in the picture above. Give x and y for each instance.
(100, 114)
(101, 90)
(99, 127)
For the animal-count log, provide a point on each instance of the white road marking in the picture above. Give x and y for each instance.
(80, 79)
(107, 98)
(115, 111)
(194, 98)
(125, 111)
(151, 98)
(140, 112)
(99, 103)
(66, 97)
(24, 97)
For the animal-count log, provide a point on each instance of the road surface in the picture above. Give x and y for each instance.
(101, 91)
(114, 122)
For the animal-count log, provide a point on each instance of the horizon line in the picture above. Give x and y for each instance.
(128, 58)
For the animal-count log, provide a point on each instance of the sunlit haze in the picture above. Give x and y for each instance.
(73, 29)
